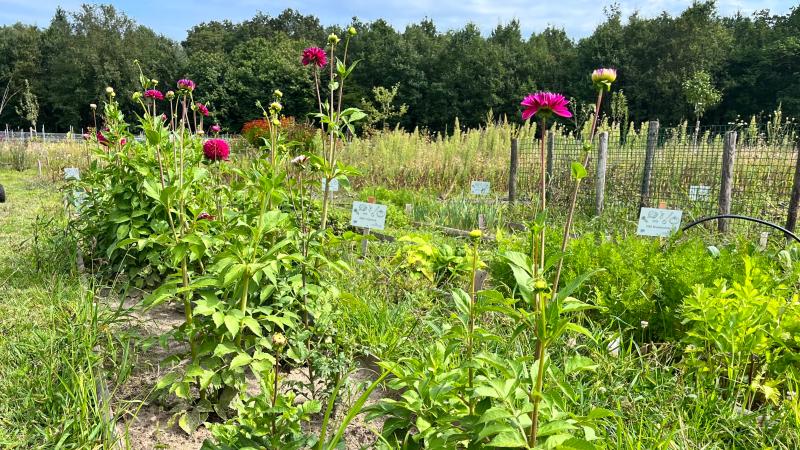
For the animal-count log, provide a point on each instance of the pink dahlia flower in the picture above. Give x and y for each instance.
(602, 78)
(202, 108)
(205, 216)
(186, 85)
(216, 149)
(314, 55)
(216, 128)
(154, 94)
(545, 103)
(101, 138)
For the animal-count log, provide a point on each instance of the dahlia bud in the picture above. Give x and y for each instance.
(602, 78)
(540, 285)
(475, 234)
(92, 105)
(276, 122)
(279, 339)
(352, 31)
(136, 96)
(215, 128)
(170, 94)
(109, 90)
(277, 93)
(644, 324)
(275, 106)
(154, 81)
(333, 39)
(200, 132)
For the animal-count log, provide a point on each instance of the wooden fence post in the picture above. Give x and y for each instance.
(551, 146)
(726, 182)
(512, 172)
(652, 143)
(794, 200)
(600, 178)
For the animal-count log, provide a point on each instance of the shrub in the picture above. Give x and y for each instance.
(744, 336)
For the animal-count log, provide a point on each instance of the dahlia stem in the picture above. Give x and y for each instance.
(542, 188)
(187, 307)
(275, 388)
(574, 196)
(536, 394)
(471, 330)
(332, 147)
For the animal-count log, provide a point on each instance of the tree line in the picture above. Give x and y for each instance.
(50, 75)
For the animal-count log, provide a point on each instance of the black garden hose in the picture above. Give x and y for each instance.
(751, 219)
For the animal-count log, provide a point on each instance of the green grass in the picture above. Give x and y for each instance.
(55, 340)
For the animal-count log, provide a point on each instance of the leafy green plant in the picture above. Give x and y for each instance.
(742, 338)
(438, 263)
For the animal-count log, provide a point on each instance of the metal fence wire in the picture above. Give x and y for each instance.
(686, 170)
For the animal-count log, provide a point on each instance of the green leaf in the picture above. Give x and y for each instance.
(556, 426)
(494, 414)
(252, 324)
(232, 324)
(242, 359)
(599, 413)
(577, 170)
(579, 363)
(577, 444)
(166, 380)
(509, 439)
(224, 348)
(122, 231)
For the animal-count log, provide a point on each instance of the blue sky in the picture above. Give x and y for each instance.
(577, 17)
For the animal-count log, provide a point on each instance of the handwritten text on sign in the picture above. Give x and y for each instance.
(479, 187)
(368, 215)
(658, 222)
(333, 185)
(699, 193)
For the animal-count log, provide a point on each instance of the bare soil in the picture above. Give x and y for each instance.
(146, 419)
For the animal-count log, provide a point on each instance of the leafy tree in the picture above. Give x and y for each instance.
(28, 108)
(384, 108)
(701, 95)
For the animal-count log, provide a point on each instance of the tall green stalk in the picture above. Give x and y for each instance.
(574, 196)
(476, 237)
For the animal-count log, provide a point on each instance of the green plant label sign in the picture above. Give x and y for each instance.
(658, 222)
(333, 185)
(699, 193)
(479, 187)
(72, 173)
(368, 215)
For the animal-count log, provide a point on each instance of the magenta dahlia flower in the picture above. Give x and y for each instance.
(186, 85)
(101, 138)
(216, 128)
(216, 149)
(202, 108)
(545, 103)
(314, 55)
(154, 94)
(205, 216)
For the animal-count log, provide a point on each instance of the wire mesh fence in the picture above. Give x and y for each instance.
(685, 170)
